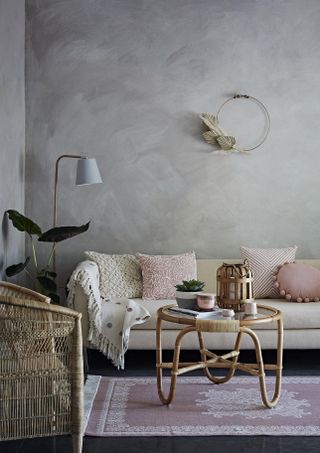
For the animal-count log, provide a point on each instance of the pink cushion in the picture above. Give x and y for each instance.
(263, 263)
(160, 273)
(298, 282)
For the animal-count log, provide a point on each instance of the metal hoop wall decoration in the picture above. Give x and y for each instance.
(216, 136)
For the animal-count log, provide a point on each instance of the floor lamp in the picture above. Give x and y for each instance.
(87, 174)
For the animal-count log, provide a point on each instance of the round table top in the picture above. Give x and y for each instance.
(265, 314)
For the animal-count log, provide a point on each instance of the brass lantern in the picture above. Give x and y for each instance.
(234, 285)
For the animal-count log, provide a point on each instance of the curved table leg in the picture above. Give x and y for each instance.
(175, 363)
(231, 371)
(276, 395)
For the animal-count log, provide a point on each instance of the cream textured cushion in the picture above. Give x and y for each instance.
(120, 275)
(264, 263)
(162, 272)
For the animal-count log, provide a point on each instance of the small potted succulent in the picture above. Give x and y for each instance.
(186, 294)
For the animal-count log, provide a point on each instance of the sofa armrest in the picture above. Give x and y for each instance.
(83, 283)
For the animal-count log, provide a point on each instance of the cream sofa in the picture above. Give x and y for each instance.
(301, 320)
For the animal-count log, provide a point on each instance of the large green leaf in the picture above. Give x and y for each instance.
(17, 268)
(59, 234)
(51, 274)
(47, 283)
(22, 223)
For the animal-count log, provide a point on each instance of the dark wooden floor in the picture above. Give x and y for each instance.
(141, 363)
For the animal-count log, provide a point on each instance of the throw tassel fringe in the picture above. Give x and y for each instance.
(124, 312)
(83, 278)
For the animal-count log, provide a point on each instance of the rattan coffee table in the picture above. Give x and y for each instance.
(240, 324)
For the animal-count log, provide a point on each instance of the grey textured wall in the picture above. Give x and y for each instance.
(124, 81)
(12, 126)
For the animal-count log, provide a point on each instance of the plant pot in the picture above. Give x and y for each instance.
(187, 299)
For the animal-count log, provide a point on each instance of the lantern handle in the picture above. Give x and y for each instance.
(236, 267)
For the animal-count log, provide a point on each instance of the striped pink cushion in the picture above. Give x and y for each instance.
(264, 263)
(160, 273)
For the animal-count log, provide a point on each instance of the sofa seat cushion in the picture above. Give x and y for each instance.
(295, 315)
(152, 306)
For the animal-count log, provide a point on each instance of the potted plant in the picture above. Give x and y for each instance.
(43, 276)
(186, 294)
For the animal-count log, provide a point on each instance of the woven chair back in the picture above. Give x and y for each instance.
(41, 371)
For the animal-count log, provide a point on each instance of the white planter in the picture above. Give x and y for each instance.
(187, 299)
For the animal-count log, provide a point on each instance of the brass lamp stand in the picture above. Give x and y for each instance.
(87, 174)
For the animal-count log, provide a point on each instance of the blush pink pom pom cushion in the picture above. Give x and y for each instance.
(160, 273)
(298, 282)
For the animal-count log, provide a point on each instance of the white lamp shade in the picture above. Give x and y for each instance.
(87, 172)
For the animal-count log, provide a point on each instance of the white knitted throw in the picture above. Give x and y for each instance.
(110, 320)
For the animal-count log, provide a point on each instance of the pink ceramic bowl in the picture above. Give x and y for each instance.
(206, 301)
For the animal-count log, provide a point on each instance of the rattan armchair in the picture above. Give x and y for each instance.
(19, 292)
(41, 367)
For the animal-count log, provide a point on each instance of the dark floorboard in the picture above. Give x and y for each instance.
(215, 444)
(141, 363)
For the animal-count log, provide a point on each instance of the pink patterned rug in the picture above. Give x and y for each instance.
(131, 407)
